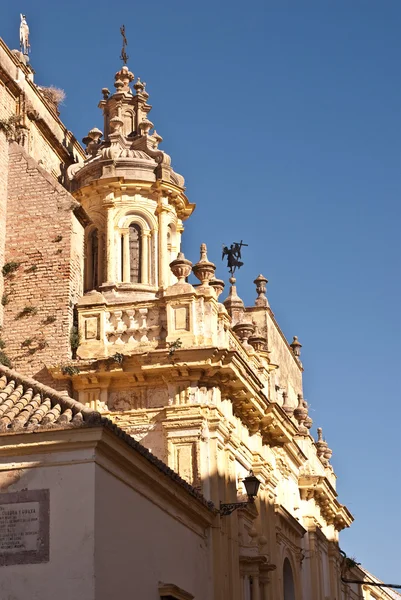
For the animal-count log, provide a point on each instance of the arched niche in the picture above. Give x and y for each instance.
(288, 581)
(135, 253)
(137, 249)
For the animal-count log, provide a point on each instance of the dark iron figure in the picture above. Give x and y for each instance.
(233, 254)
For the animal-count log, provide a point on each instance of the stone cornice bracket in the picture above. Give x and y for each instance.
(319, 488)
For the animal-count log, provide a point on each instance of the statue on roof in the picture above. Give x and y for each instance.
(233, 254)
(24, 36)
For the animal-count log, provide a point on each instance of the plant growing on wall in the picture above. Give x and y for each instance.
(69, 370)
(27, 311)
(49, 319)
(10, 267)
(173, 346)
(118, 357)
(75, 340)
(5, 299)
(9, 126)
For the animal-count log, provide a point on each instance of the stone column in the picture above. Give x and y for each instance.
(110, 245)
(162, 249)
(126, 256)
(145, 242)
(255, 587)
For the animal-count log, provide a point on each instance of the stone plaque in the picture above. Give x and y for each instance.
(181, 318)
(24, 527)
(91, 328)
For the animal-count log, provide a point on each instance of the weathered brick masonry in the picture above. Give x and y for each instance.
(44, 234)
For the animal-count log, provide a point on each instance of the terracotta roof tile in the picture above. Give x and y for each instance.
(27, 405)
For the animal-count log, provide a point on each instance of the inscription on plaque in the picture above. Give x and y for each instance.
(24, 527)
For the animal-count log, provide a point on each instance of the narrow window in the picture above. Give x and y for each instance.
(135, 252)
(94, 258)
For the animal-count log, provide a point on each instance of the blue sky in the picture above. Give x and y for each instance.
(285, 119)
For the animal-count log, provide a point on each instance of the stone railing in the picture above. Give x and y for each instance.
(105, 330)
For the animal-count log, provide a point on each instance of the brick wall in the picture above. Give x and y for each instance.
(7, 108)
(44, 236)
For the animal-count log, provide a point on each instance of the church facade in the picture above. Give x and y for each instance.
(97, 304)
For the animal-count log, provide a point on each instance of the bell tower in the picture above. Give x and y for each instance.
(135, 200)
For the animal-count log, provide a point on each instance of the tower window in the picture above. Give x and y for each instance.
(94, 258)
(135, 252)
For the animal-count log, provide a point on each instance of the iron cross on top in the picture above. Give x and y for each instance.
(124, 56)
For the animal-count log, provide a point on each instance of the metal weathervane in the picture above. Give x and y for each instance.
(124, 56)
(233, 254)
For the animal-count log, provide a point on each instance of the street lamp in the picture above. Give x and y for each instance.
(252, 484)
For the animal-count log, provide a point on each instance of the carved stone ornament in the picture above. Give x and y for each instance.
(260, 283)
(218, 286)
(296, 347)
(181, 267)
(204, 269)
(301, 413)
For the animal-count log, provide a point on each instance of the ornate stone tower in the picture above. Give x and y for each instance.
(213, 389)
(134, 198)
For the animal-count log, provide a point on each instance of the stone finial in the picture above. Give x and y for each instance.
(181, 267)
(116, 124)
(260, 283)
(92, 141)
(308, 421)
(140, 88)
(244, 331)
(259, 343)
(124, 76)
(233, 303)
(301, 414)
(218, 285)
(322, 448)
(145, 126)
(287, 408)
(296, 347)
(204, 269)
(105, 93)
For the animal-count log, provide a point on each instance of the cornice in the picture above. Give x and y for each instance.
(289, 521)
(319, 488)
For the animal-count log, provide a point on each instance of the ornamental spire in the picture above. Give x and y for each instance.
(124, 56)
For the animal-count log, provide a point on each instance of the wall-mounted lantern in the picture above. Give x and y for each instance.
(252, 484)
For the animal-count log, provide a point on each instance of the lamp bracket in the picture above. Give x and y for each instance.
(227, 509)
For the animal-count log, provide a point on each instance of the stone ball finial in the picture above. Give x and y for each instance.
(260, 283)
(105, 93)
(124, 76)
